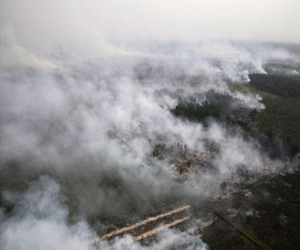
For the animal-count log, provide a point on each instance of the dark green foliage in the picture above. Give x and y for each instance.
(196, 112)
(275, 127)
(279, 223)
(286, 86)
(216, 105)
(281, 117)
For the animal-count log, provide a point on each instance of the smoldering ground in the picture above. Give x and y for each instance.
(90, 129)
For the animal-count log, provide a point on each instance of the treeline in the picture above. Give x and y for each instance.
(216, 105)
(281, 117)
(276, 127)
(286, 86)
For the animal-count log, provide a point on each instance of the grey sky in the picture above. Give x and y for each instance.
(40, 21)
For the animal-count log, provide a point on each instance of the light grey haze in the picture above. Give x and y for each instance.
(85, 20)
(87, 89)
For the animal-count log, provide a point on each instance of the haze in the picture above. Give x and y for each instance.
(37, 22)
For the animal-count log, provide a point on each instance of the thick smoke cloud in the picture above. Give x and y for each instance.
(87, 130)
(93, 125)
(104, 114)
(41, 221)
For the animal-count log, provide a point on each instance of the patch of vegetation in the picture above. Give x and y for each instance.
(285, 86)
(220, 106)
(279, 220)
(276, 127)
(275, 201)
(281, 117)
(246, 232)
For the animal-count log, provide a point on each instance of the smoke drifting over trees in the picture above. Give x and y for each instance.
(89, 138)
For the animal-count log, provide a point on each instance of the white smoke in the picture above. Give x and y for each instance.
(89, 113)
(15, 55)
(41, 221)
(95, 125)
